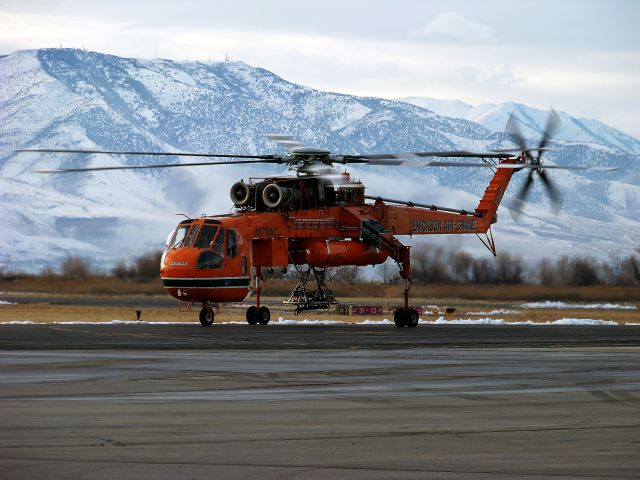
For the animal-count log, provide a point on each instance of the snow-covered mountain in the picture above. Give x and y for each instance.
(532, 120)
(72, 98)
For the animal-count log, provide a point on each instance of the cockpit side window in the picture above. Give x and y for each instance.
(218, 245)
(232, 244)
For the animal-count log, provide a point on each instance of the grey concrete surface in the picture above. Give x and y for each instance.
(143, 336)
(451, 413)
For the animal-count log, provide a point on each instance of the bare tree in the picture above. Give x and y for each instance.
(76, 267)
(509, 269)
(148, 265)
(583, 272)
(389, 272)
(348, 274)
(429, 264)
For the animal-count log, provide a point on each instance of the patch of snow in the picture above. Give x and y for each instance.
(467, 321)
(500, 311)
(582, 321)
(282, 321)
(587, 306)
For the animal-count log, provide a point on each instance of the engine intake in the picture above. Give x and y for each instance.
(242, 194)
(275, 196)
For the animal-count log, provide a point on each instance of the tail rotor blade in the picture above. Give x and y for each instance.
(553, 122)
(513, 130)
(526, 186)
(554, 194)
(517, 204)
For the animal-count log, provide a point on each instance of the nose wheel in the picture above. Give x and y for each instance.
(206, 316)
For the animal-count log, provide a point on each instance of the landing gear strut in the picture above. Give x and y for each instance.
(256, 313)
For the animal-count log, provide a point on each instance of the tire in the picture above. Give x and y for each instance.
(264, 315)
(206, 316)
(412, 318)
(400, 317)
(252, 315)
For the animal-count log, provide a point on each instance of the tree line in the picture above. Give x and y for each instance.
(434, 264)
(429, 264)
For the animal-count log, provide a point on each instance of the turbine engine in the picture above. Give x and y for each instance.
(242, 194)
(275, 196)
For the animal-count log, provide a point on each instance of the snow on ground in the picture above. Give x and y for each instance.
(593, 306)
(284, 322)
(467, 321)
(583, 321)
(499, 321)
(3, 302)
(501, 311)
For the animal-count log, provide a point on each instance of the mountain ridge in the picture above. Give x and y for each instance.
(494, 117)
(76, 99)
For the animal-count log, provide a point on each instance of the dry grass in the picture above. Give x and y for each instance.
(280, 288)
(81, 286)
(599, 293)
(106, 309)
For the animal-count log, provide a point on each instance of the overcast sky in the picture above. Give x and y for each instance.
(582, 57)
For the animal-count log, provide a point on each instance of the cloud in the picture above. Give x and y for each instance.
(452, 27)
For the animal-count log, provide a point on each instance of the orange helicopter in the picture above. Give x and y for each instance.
(317, 219)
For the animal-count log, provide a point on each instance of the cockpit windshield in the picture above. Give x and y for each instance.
(179, 236)
(207, 234)
(190, 236)
(211, 240)
(205, 237)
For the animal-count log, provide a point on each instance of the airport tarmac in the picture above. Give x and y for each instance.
(363, 402)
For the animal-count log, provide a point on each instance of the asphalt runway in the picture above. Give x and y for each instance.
(343, 402)
(143, 336)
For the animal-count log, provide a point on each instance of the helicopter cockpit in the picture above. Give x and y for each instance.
(208, 236)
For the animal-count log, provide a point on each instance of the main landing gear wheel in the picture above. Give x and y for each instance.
(398, 317)
(411, 318)
(206, 316)
(406, 317)
(264, 315)
(252, 315)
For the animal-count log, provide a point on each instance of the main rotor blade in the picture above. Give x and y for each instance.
(157, 165)
(518, 150)
(463, 153)
(406, 157)
(155, 154)
(286, 141)
(517, 166)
